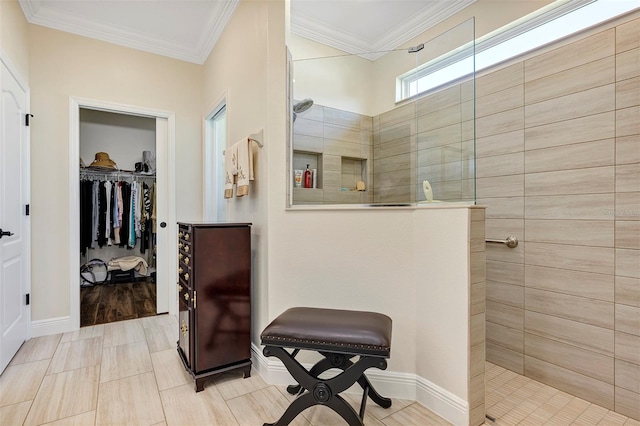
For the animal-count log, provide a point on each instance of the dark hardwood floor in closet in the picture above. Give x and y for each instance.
(104, 303)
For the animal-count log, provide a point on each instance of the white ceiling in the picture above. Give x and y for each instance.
(188, 29)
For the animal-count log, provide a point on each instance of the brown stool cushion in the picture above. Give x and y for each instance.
(331, 330)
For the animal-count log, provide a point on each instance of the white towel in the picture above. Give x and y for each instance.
(126, 263)
(238, 165)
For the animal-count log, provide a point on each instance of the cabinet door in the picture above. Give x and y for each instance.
(223, 286)
(184, 323)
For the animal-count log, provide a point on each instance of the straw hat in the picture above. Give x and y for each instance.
(103, 161)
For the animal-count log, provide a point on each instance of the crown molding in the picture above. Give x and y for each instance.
(429, 16)
(220, 15)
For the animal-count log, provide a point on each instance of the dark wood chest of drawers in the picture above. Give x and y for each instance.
(214, 291)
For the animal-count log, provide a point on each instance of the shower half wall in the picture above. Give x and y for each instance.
(558, 165)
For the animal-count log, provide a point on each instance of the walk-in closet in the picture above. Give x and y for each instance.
(118, 245)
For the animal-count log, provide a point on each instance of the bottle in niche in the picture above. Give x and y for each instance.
(307, 178)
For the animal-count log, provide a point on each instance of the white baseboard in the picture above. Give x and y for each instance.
(50, 326)
(389, 383)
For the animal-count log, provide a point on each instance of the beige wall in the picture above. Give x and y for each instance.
(241, 68)
(14, 36)
(558, 165)
(64, 65)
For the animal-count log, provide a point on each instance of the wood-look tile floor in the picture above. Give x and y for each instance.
(106, 303)
(129, 373)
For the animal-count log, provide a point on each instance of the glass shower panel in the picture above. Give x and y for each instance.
(445, 117)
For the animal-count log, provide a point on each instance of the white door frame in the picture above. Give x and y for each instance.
(162, 158)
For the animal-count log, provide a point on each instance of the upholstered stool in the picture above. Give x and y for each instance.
(338, 335)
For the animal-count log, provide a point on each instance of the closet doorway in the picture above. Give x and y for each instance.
(121, 142)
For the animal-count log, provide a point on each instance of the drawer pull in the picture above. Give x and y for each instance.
(180, 255)
(187, 236)
(179, 288)
(186, 276)
(180, 245)
(186, 260)
(195, 299)
(186, 248)
(180, 270)
(186, 296)
(180, 234)
(184, 328)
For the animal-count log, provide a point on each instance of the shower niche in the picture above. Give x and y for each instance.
(337, 144)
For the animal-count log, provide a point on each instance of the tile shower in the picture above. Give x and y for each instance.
(558, 165)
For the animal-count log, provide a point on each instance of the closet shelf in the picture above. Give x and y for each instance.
(88, 173)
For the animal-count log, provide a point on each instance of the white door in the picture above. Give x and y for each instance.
(14, 243)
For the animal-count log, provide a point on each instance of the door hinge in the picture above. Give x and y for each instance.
(27, 119)
(27, 298)
(26, 210)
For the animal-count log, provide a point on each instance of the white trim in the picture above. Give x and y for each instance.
(391, 384)
(51, 326)
(221, 13)
(210, 197)
(75, 103)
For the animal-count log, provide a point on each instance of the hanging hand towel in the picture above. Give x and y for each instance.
(245, 167)
(230, 170)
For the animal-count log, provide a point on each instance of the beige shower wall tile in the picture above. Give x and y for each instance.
(506, 337)
(628, 375)
(308, 127)
(505, 272)
(596, 180)
(503, 207)
(350, 120)
(627, 403)
(389, 179)
(627, 347)
(579, 232)
(502, 122)
(502, 100)
(439, 118)
(440, 172)
(567, 132)
(573, 80)
(628, 64)
(397, 162)
(501, 79)
(476, 391)
(500, 165)
(441, 136)
(439, 155)
(574, 156)
(506, 315)
(507, 294)
(439, 100)
(500, 228)
(628, 149)
(478, 297)
(301, 195)
(579, 258)
(627, 206)
(569, 381)
(586, 206)
(399, 131)
(628, 177)
(588, 363)
(393, 148)
(571, 55)
(342, 148)
(628, 93)
(628, 291)
(590, 337)
(588, 102)
(505, 358)
(628, 234)
(397, 115)
(628, 319)
(627, 122)
(582, 309)
(502, 143)
(502, 253)
(628, 35)
(501, 186)
(476, 238)
(339, 133)
(592, 285)
(477, 329)
(477, 357)
(628, 263)
(308, 143)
